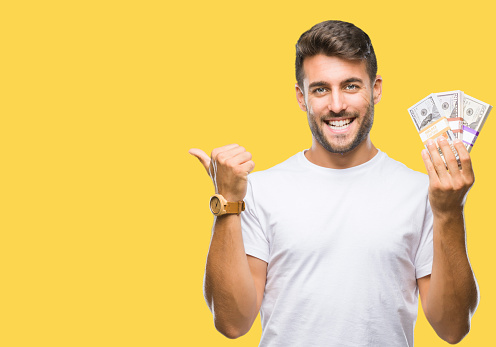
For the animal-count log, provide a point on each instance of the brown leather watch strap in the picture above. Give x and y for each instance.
(235, 207)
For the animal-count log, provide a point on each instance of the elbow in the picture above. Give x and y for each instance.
(456, 336)
(451, 330)
(229, 331)
(231, 321)
(231, 326)
(453, 340)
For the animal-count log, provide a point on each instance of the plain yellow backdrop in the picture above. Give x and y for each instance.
(105, 224)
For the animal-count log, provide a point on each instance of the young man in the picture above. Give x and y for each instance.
(337, 242)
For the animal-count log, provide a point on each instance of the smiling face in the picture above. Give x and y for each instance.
(339, 99)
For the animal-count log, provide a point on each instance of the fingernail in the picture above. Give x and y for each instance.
(457, 141)
(440, 139)
(430, 142)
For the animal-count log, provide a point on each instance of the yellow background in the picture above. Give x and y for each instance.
(105, 224)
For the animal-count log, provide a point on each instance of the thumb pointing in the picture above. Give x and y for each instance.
(202, 157)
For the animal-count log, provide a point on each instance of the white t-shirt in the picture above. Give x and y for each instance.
(344, 249)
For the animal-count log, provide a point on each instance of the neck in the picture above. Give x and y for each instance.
(318, 155)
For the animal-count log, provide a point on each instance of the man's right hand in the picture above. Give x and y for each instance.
(228, 166)
(234, 282)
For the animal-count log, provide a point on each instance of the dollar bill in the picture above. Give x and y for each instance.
(452, 107)
(431, 122)
(475, 113)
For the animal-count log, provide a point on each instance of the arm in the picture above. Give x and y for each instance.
(234, 283)
(450, 294)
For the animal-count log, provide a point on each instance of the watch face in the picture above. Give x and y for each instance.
(215, 205)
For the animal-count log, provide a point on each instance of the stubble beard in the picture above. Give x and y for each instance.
(361, 135)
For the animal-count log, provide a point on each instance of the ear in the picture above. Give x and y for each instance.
(377, 89)
(300, 97)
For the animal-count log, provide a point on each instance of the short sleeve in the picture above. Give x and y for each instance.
(425, 251)
(254, 238)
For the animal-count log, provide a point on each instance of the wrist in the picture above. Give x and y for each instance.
(232, 197)
(219, 205)
(448, 215)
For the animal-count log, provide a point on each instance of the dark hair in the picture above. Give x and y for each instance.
(335, 39)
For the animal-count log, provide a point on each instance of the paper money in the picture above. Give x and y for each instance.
(454, 115)
(431, 123)
(475, 113)
(452, 108)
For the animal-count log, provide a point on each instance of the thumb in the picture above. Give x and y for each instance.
(202, 157)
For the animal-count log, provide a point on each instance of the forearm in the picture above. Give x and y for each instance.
(453, 294)
(229, 288)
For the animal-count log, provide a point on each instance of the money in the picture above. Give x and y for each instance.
(431, 122)
(475, 113)
(454, 115)
(452, 107)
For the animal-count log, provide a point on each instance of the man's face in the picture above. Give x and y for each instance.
(339, 99)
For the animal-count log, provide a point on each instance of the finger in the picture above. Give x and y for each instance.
(431, 171)
(226, 157)
(449, 156)
(230, 154)
(248, 166)
(437, 161)
(464, 157)
(240, 158)
(219, 150)
(202, 157)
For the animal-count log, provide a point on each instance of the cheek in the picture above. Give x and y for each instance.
(360, 100)
(317, 104)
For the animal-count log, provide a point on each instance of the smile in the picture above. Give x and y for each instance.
(339, 124)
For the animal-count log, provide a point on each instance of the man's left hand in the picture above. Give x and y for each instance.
(448, 184)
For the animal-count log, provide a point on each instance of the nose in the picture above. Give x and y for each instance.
(336, 102)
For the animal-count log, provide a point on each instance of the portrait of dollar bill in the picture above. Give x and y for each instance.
(425, 112)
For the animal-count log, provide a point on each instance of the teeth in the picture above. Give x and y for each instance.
(339, 123)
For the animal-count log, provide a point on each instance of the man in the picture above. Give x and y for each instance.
(337, 242)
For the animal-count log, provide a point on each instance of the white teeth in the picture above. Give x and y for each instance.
(336, 124)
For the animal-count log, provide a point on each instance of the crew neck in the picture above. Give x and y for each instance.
(355, 169)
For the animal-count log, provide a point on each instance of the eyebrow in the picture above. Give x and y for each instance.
(325, 84)
(353, 79)
(318, 84)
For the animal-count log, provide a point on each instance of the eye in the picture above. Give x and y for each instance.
(352, 87)
(320, 90)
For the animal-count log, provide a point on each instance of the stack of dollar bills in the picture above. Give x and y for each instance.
(454, 115)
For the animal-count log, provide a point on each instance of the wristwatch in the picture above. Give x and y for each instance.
(220, 206)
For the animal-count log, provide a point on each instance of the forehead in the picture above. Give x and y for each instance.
(333, 69)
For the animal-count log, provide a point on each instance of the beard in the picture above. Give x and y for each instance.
(342, 146)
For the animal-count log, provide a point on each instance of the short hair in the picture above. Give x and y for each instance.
(335, 39)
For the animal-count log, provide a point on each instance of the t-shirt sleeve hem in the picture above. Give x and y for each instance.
(423, 271)
(257, 253)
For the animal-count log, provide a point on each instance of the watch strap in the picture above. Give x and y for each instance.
(235, 207)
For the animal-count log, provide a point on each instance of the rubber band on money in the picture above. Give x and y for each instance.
(469, 135)
(436, 129)
(456, 124)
